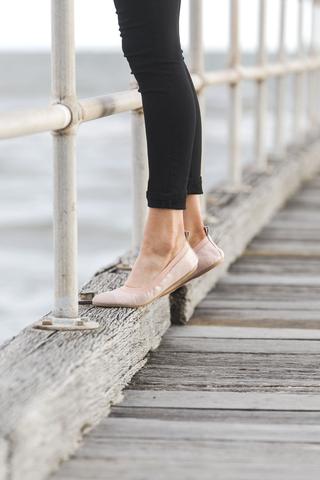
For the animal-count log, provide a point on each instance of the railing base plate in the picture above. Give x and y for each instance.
(87, 325)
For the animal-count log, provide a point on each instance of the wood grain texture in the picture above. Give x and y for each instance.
(243, 345)
(268, 417)
(229, 372)
(288, 280)
(65, 382)
(145, 469)
(205, 451)
(254, 323)
(219, 400)
(234, 332)
(204, 431)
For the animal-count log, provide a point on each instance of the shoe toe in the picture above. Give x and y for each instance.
(104, 299)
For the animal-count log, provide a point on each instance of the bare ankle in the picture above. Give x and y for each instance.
(192, 219)
(163, 247)
(196, 237)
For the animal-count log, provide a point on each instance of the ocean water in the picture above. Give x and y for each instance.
(104, 181)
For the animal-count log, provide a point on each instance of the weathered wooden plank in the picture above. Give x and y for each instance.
(157, 469)
(287, 280)
(310, 204)
(255, 314)
(244, 345)
(303, 237)
(264, 292)
(221, 452)
(275, 265)
(309, 192)
(302, 217)
(217, 304)
(217, 372)
(276, 323)
(294, 248)
(234, 332)
(216, 415)
(190, 430)
(291, 224)
(220, 400)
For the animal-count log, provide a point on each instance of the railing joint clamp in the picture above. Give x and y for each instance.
(75, 112)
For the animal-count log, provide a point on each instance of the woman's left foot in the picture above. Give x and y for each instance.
(209, 256)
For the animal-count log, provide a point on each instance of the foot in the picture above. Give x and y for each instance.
(151, 262)
(209, 256)
(162, 240)
(183, 265)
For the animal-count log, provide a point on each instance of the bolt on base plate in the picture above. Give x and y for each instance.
(51, 323)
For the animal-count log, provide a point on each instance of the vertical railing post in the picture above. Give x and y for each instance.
(262, 92)
(63, 91)
(139, 155)
(196, 65)
(316, 103)
(317, 72)
(281, 83)
(235, 108)
(298, 115)
(312, 90)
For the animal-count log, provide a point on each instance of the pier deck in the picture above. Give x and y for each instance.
(235, 394)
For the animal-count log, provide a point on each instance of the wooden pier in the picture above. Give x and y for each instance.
(235, 393)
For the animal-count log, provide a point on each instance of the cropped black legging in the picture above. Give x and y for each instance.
(151, 44)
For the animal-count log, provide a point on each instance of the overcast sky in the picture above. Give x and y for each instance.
(25, 24)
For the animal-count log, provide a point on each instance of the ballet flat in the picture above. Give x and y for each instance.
(183, 265)
(209, 256)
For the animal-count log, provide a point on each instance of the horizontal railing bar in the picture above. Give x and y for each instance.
(260, 73)
(97, 107)
(34, 120)
(57, 117)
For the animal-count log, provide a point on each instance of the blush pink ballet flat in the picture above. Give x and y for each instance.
(209, 256)
(184, 264)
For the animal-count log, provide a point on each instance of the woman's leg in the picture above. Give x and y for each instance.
(151, 44)
(192, 214)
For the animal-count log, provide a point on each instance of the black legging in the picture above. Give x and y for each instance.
(151, 44)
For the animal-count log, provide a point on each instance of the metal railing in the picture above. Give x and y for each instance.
(65, 113)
